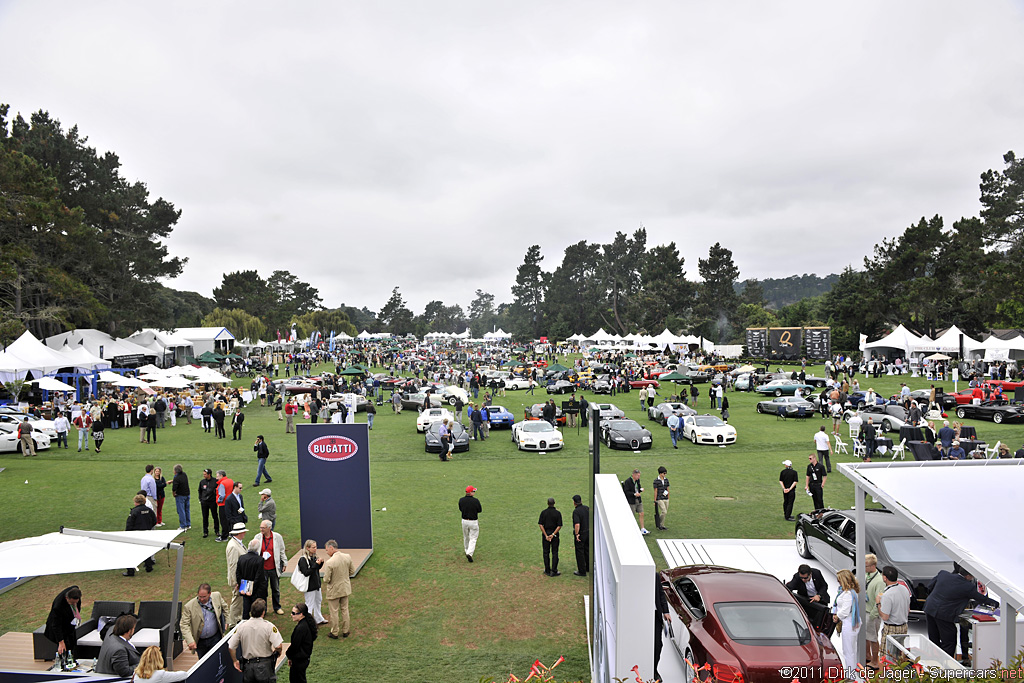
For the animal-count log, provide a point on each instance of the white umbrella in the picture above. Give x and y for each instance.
(171, 383)
(129, 382)
(52, 384)
(938, 356)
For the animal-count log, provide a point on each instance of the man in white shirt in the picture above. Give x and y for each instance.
(673, 427)
(62, 427)
(824, 448)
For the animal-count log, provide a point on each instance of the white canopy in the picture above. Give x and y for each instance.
(901, 339)
(176, 382)
(948, 342)
(99, 344)
(58, 553)
(996, 349)
(52, 384)
(80, 359)
(32, 354)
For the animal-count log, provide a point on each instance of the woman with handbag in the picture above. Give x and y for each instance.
(848, 620)
(307, 580)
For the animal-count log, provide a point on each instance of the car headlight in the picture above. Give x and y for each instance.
(646, 439)
(618, 438)
(704, 433)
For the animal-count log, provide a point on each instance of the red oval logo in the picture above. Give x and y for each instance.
(332, 448)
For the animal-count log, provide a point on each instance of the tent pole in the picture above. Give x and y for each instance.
(1008, 617)
(860, 550)
(169, 645)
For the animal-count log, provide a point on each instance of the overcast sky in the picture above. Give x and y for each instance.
(427, 144)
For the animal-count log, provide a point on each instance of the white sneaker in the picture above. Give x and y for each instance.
(644, 531)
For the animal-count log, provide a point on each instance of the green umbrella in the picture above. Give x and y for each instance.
(209, 357)
(557, 367)
(673, 377)
(353, 371)
(630, 355)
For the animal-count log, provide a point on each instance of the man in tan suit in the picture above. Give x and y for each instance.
(235, 549)
(203, 620)
(337, 586)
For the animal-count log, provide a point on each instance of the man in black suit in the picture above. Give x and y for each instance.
(250, 568)
(65, 616)
(812, 593)
(870, 436)
(141, 518)
(948, 595)
(118, 656)
(234, 508)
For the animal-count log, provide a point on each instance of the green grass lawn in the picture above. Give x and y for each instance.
(419, 610)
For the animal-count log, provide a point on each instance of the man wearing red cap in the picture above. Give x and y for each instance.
(470, 508)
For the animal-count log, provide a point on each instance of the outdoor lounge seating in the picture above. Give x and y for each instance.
(154, 618)
(88, 632)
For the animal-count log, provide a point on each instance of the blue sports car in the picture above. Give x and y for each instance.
(500, 417)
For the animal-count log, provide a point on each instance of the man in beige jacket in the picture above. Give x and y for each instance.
(337, 586)
(235, 549)
(203, 620)
(270, 545)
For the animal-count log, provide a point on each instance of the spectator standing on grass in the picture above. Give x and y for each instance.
(161, 494)
(661, 487)
(237, 420)
(148, 484)
(787, 480)
(814, 483)
(151, 426)
(182, 496)
(141, 518)
(141, 416)
(255, 646)
(83, 423)
(823, 445)
(581, 535)
(337, 587)
(270, 546)
(873, 587)
(267, 508)
(309, 565)
(225, 487)
(235, 549)
(262, 453)
(300, 649)
(371, 412)
(634, 496)
(470, 508)
(62, 426)
(550, 523)
(208, 501)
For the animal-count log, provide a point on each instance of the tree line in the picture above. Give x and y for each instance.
(82, 246)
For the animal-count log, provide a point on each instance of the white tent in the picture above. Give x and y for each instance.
(948, 342)
(996, 349)
(83, 361)
(101, 345)
(900, 339)
(989, 549)
(168, 346)
(52, 384)
(34, 355)
(363, 335)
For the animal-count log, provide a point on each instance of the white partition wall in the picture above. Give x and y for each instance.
(624, 585)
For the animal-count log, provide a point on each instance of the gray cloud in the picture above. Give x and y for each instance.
(427, 145)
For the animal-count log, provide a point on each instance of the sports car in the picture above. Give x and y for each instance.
(499, 416)
(964, 396)
(790, 405)
(997, 411)
(431, 415)
(602, 385)
(12, 418)
(739, 626)
(638, 383)
(516, 383)
(459, 437)
(945, 401)
(450, 393)
(818, 382)
(535, 412)
(10, 443)
(336, 399)
(536, 435)
(626, 434)
(562, 386)
(608, 411)
(415, 401)
(783, 387)
(708, 429)
(830, 535)
(888, 416)
(661, 412)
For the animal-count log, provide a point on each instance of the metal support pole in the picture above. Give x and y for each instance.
(169, 643)
(860, 550)
(1008, 623)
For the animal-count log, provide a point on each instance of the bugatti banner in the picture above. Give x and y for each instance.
(334, 484)
(784, 343)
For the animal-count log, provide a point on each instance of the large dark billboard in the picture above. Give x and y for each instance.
(757, 342)
(819, 342)
(784, 343)
(334, 484)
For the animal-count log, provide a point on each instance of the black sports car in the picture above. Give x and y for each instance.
(602, 385)
(829, 536)
(459, 437)
(562, 386)
(996, 411)
(626, 434)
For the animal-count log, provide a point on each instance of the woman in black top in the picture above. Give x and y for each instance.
(65, 616)
(161, 494)
(301, 647)
(310, 566)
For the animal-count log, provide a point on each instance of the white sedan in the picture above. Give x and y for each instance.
(10, 443)
(536, 435)
(432, 415)
(708, 429)
(11, 419)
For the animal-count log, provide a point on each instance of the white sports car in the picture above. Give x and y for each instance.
(10, 418)
(10, 443)
(536, 435)
(708, 429)
(430, 416)
(608, 411)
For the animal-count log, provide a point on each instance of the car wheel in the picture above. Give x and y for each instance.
(759, 408)
(801, 544)
(689, 667)
(998, 418)
(961, 413)
(778, 392)
(693, 438)
(886, 426)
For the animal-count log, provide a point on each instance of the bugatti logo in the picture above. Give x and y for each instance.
(332, 448)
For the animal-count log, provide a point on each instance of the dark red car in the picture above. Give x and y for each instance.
(638, 383)
(743, 627)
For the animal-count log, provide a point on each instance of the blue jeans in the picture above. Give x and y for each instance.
(478, 430)
(83, 434)
(674, 434)
(369, 419)
(476, 392)
(261, 471)
(184, 513)
(62, 437)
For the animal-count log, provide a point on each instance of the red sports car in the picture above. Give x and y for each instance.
(743, 627)
(638, 383)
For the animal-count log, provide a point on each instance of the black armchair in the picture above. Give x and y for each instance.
(88, 636)
(154, 624)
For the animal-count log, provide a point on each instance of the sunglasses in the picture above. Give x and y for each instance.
(295, 614)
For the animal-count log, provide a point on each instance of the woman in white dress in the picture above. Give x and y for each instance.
(848, 611)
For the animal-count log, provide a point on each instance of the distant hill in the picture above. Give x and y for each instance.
(779, 292)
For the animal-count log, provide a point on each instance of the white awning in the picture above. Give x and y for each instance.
(59, 553)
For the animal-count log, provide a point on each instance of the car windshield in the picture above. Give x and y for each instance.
(708, 421)
(763, 623)
(495, 409)
(912, 550)
(538, 426)
(624, 425)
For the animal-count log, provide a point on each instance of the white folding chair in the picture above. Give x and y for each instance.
(854, 433)
(840, 445)
(992, 452)
(859, 449)
(900, 450)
